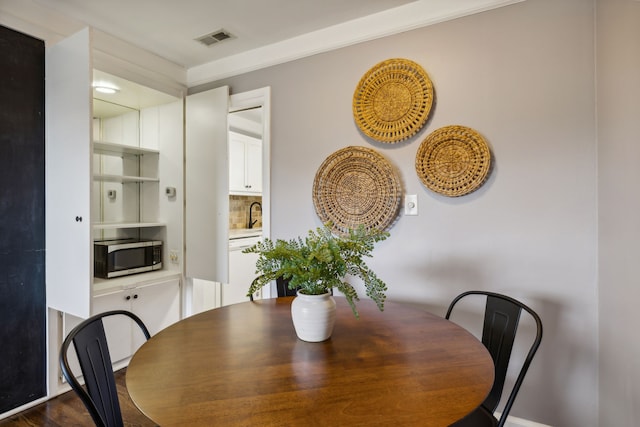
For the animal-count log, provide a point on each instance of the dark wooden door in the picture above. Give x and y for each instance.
(22, 220)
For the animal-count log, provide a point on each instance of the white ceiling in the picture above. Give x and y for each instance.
(169, 27)
(265, 32)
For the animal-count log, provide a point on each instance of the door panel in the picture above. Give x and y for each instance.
(158, 305)
(207, 185)
(116, 328)
(68, 175)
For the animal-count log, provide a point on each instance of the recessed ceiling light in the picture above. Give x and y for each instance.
(104, 89)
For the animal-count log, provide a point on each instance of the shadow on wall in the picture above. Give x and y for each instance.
(442, 281)
(570, 357)
(559, 360)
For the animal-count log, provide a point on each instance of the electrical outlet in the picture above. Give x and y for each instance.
(173, 257)
(411, 204)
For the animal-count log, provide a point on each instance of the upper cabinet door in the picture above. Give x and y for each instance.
(207, 185)
(245, 164)
(237, 173)
(253, 165)
(68, 175)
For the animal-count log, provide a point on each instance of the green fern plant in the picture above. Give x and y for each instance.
(320, 262)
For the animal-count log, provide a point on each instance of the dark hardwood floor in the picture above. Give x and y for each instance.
(67, 410)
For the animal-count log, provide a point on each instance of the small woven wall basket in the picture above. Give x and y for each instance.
(357, 185)
(392, 100)
(453, 161)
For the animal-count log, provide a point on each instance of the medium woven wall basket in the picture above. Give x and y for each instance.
(392, 100)
(357, 185)
(453, 161)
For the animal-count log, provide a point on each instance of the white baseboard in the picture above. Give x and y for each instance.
(519, 422)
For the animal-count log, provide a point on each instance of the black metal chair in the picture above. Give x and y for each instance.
(90, 342)
(282, 286)
(501, 318)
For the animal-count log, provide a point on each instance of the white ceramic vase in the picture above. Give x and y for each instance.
(313, 316)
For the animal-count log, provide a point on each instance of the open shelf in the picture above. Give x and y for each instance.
(110, 148)
(123, 178)
(117, 225)
(104, 286)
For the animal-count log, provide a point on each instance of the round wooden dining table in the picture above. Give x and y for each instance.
(242, 365)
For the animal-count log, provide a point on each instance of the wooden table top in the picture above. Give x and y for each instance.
(242, 365)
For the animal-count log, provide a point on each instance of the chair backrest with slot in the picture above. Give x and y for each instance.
(90, 343)
(282, 286)
(500, 326)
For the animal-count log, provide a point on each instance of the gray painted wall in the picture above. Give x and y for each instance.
(618, 69)
(523, 76)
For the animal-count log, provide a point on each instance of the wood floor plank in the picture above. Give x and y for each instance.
(67, 410)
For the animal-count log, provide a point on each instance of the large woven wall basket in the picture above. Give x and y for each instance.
(357, 185)
(392, 100)
(453, 161)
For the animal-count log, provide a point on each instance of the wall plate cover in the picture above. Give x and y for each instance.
(411, 204)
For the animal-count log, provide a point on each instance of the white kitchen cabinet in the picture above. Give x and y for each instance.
(121, 176)
(69, 259)
(156, 303)
(245, 164)
(118, 329)
(207, 175)
(126, 194)
(242, 271)
(91, 157)
(207, 185)
(91, 149)
(236, 166)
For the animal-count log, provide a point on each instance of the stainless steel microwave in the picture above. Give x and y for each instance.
(115, 258)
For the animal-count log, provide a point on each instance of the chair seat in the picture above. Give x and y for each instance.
(480, 417)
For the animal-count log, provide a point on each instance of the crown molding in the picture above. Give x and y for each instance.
(413, 15)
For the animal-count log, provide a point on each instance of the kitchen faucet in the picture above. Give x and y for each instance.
(251, 223)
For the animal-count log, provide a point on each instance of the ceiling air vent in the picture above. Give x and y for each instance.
(215, 37)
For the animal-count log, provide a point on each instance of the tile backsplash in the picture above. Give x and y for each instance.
(239, 211)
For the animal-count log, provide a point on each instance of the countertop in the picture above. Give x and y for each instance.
(241, 233)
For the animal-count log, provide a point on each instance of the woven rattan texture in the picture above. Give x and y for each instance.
(392, 100)
(453, 161)
(357, 185)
